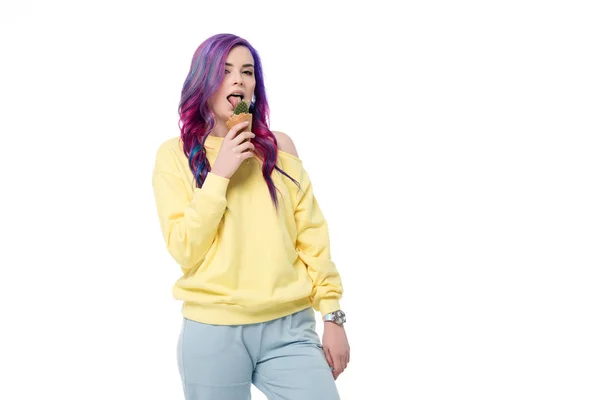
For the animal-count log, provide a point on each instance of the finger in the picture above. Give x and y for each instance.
(245, 155)
(337, 366)
(343, 362)
(243, 137)
(234, 129)
(336, 374)
(244, 147)
(328, 357)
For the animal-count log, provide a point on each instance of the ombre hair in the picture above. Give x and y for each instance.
(196, 120)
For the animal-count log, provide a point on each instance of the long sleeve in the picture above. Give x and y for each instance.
(188, 227)
(312, 245)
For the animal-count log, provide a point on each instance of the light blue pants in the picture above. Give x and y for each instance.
(283, 358)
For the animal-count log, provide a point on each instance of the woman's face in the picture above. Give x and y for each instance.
(238, 83)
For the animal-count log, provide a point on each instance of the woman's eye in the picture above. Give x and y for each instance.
(248, 72)
(226, 71)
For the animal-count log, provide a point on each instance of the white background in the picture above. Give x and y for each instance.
(453, 148)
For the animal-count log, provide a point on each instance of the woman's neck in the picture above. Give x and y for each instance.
(220, 129)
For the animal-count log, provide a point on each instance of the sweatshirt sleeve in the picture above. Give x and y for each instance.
(188, 227)
(312, 245)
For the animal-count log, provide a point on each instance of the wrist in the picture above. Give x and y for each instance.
(219, 173)
(337, 317)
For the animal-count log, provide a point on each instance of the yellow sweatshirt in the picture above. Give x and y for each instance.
(242, 261)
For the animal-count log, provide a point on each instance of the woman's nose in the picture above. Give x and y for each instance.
(237, 77)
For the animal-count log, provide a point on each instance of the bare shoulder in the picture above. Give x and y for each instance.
(285, 143)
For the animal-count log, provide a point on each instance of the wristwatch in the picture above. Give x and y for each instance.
(339, 317)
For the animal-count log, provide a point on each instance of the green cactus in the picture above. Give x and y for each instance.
(241, 108)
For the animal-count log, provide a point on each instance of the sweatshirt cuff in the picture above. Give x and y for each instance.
(328, 305)
(215, 184)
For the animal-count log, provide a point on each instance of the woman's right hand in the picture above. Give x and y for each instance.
(236, 148)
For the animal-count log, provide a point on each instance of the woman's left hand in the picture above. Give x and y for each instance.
(336, 347)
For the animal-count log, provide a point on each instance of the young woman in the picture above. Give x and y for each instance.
(238, 214)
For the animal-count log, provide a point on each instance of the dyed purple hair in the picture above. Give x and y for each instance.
(196, 120)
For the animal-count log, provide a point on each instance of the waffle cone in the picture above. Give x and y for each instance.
(236, 119)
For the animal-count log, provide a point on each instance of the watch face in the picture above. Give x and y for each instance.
(337, 317)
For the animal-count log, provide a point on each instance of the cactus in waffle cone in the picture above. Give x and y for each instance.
(241, 108)
(240, 114)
